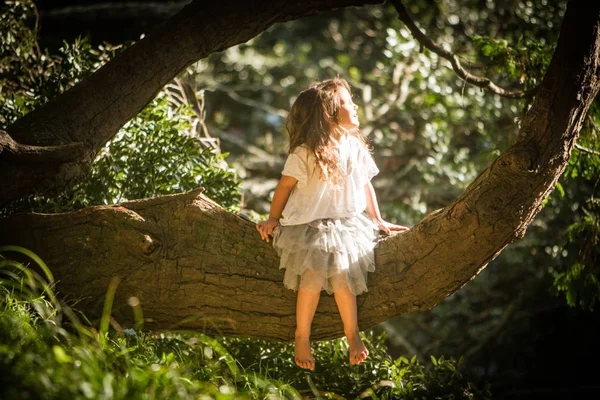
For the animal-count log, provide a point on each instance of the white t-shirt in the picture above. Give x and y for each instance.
(313, 198)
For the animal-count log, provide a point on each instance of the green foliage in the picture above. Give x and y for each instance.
(581, 280)
(578, 277)
(150, 156)
(31, 76)
(525, 61)
(379, 377)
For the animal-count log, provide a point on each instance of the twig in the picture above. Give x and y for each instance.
(593, 123)
(36, 29)
(256, 104)
(586, 150)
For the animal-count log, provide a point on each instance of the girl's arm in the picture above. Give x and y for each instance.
(280, 198)
(373, 211)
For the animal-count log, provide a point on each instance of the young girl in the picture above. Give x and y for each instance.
(320, 232)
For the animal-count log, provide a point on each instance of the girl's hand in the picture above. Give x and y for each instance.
(266, 228)
(388, 227)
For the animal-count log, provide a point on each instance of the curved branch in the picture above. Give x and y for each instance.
(478, 81)
(21, 153)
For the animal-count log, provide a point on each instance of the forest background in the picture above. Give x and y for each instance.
(528, 324)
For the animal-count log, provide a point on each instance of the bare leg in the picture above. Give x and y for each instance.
(346, 303)
(306, 305)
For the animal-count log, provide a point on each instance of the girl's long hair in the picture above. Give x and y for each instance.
(313, 122)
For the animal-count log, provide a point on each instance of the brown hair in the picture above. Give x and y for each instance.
(312, 122)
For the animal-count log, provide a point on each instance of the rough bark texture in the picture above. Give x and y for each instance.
(92, 112)
(195, 266)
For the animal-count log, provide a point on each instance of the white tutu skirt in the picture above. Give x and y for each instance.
(327, 254)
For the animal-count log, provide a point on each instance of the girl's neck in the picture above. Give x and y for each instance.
(337, 136)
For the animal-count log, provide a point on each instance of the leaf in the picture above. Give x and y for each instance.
(434, 361)
(60, 355)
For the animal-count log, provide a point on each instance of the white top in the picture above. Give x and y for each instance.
(312, 198)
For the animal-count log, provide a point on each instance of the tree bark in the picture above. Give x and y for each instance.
(91, 113)
(195, 266)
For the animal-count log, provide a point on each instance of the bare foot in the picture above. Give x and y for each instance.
(303, 354)
(358, 351)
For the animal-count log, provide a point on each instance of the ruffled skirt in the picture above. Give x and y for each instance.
(327, 254)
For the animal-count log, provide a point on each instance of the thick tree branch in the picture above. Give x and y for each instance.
(478, 81)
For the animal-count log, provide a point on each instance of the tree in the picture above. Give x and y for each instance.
(195, 266)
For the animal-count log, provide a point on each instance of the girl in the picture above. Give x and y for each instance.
(320, 232)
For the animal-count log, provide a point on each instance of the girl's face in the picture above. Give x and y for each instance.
(347, 115)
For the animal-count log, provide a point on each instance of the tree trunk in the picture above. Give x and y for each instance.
(35, 152)
(195, 266)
